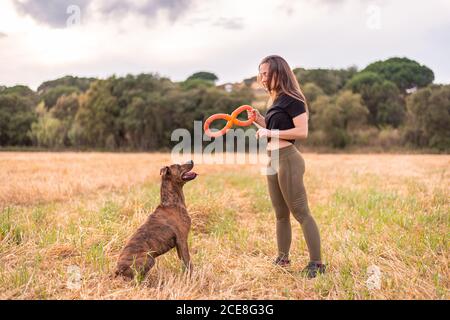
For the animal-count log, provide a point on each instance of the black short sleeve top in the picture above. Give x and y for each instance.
(282, 111)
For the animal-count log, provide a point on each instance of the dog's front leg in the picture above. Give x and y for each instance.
(178, 252)
(182, 248)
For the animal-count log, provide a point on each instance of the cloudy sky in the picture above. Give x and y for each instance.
(45, 39)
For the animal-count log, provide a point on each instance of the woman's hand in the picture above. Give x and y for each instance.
(263, 132)
(259, 119)
(254, 113)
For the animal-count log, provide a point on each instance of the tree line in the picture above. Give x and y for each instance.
(388, 103)
(391, 103)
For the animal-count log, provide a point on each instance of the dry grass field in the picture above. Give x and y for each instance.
(61, 212)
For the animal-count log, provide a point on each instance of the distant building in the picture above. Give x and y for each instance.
(411, 90)
(228, 87)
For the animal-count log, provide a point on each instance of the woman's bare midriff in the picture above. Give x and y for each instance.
(277, 144)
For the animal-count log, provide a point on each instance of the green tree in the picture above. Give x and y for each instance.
(391, 105)
(20, 91)
(16, 115)
(64, 111)
(405, 73)
(97, 121)
(336, 117)
(248, 81)
(143, 123)
(428, 121)
(382, 97)
(82, 84)
(329, 120)
(196, 84)
(52, 95)
(354, 112)
(312, 92)
(143, 110)
(363, 80)
(66, 107)
(203, 75)
(330, 81)
(47, 131)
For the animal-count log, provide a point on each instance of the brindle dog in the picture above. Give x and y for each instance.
(167, 227)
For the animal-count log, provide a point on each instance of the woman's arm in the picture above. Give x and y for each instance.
(299, 132)
(260, 120)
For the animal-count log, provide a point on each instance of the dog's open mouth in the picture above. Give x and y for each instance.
(190, 175)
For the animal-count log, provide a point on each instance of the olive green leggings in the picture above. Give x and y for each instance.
(288, 193)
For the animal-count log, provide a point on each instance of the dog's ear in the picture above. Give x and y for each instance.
(164, 171)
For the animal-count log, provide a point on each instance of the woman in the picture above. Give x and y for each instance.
(285, 121)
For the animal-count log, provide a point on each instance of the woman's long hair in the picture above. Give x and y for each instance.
(284, 80)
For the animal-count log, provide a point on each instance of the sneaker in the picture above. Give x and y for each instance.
(282, 262)
(312, 269)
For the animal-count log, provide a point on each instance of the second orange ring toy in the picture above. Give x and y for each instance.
(232, 119)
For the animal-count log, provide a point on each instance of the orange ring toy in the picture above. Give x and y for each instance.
(232, 119)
